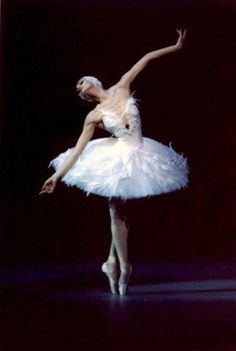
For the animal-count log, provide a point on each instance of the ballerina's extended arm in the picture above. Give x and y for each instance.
(128, 77)
(87, 133)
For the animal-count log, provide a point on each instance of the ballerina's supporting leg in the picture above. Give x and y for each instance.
(120, 243)
(118, 246)
(119, 232)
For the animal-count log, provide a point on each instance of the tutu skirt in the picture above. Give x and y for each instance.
(113, 167)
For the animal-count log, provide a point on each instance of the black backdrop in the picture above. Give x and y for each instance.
(186, 98)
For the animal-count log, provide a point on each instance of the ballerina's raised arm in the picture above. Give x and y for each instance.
(128, 77)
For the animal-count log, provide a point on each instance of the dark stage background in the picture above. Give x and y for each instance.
(186, 98)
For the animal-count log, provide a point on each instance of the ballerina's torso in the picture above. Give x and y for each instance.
(119, 115)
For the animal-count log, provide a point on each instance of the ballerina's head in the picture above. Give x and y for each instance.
(89, 88)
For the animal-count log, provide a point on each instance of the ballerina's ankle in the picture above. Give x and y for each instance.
(111, 259)
(124, 267)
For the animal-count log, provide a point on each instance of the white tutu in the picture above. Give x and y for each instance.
(127, 166)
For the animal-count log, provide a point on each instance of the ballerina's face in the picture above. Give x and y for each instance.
(83, 86)
(90, 89)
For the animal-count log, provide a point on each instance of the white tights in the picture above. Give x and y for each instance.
(119, 230)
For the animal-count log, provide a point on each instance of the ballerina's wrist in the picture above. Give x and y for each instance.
(55, 177)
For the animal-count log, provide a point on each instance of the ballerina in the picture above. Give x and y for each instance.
(125, 165)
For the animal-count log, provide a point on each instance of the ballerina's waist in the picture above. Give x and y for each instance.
(129, 140)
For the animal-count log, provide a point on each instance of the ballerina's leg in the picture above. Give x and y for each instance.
(110, 268)
(112, 252)
(119, 246)
(119, 231)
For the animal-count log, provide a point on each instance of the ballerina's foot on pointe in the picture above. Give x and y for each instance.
(110, 269)
(125, 273)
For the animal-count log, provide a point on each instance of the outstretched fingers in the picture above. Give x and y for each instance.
(182, 32)
(181, 38)
(46, 191)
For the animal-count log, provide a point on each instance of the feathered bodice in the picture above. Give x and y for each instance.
(129, 128)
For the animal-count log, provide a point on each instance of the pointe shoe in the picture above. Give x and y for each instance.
(109, 268)
(124, 279)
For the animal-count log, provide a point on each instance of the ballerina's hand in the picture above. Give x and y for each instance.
(182, 36)
(48, 186)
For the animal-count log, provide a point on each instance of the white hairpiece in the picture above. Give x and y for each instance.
(93, 80)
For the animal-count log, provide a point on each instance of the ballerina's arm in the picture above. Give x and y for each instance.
(87, 133)
(128, 77)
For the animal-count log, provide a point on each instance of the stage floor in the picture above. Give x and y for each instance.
(170, 306)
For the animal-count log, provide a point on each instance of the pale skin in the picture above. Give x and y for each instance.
(114, 96)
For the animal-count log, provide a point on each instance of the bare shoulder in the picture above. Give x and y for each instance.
(120, 88)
